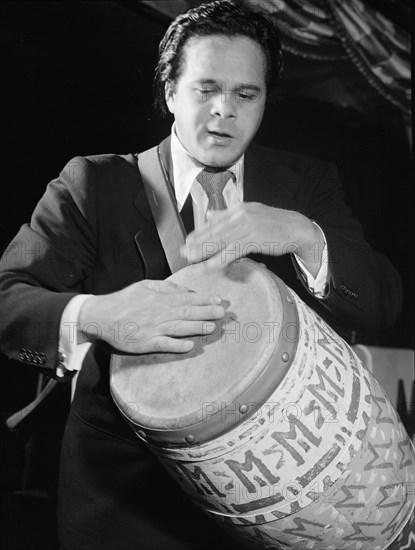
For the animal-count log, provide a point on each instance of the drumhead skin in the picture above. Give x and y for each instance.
(177, 399)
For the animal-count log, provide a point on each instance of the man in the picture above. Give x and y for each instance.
(99, 266)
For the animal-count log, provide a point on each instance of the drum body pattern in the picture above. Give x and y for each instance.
(322, 462)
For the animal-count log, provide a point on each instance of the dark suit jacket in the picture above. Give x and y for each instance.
(92, 232)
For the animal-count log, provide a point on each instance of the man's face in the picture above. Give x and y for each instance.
(219, 98)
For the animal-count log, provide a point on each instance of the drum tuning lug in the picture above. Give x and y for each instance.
(141, 434)
(190, 439)
(243, 409)
(289, 299)
(285, 357)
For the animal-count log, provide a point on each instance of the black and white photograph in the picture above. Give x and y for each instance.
(207, 275)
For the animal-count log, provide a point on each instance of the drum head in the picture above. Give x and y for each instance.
(171, 396)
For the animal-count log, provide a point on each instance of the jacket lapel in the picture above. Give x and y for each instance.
(148, 242)
(147, 239)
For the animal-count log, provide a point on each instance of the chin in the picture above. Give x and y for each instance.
(224, 159)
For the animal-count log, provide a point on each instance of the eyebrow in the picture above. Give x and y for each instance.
(239, 86)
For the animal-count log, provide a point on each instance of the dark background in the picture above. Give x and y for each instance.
(76, 80)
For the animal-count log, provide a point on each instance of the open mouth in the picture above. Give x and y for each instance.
(219, 134)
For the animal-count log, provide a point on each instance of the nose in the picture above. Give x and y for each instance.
(224, 105)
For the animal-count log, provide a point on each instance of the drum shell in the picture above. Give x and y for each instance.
(323, 463)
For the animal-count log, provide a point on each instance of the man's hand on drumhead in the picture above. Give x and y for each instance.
(254, 228)
(150, 316)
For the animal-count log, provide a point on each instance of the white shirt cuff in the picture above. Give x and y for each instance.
(71, 354)
(318, 285)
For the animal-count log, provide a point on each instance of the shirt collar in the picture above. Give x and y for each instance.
(186, 168)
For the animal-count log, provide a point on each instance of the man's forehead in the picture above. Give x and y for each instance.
(220, 58)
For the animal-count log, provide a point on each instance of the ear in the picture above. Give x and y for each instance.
(169, 95)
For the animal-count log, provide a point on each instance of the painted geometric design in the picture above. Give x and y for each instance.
(362, 510)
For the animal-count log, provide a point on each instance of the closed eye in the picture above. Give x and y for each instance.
(205, 90)
(247, 94)
(248, 97)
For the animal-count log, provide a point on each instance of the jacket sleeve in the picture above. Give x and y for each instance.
(364, 289)
(44, 266)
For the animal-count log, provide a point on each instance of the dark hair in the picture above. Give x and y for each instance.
(223, 17)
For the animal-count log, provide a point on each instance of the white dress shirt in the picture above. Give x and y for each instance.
(185, 171)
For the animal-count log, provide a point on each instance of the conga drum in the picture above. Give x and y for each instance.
(271, 424)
